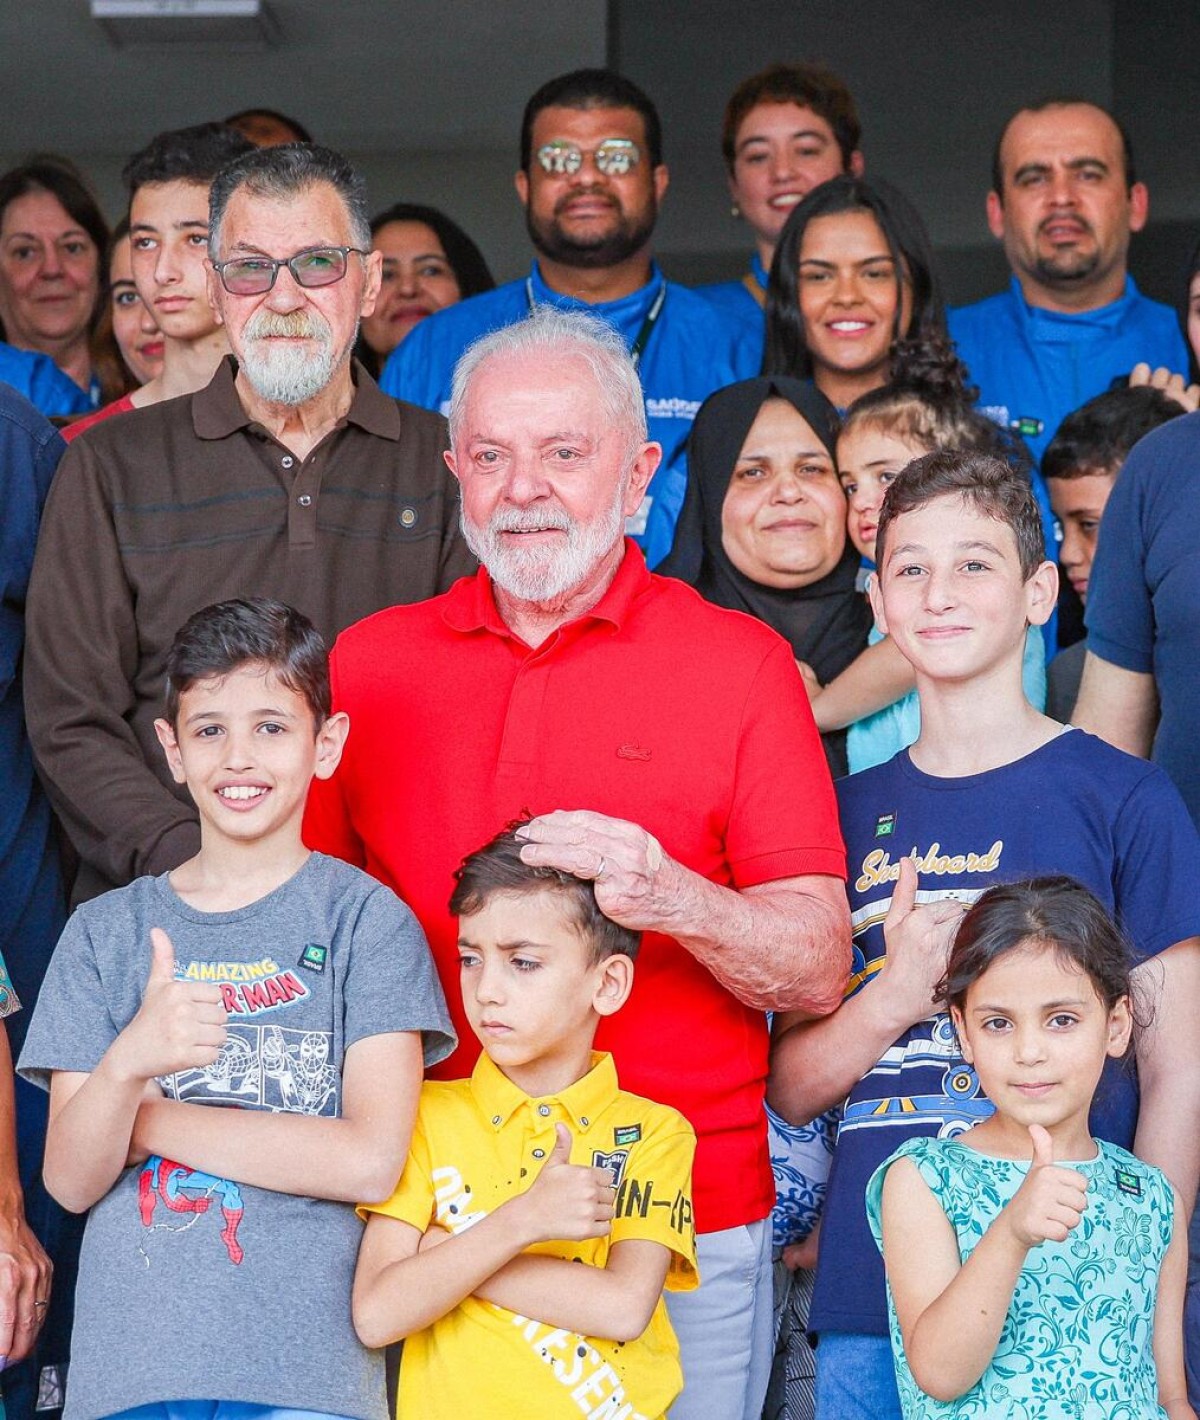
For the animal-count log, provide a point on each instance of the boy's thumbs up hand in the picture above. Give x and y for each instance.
(162, 956)
(180, 1025)
(1051, 1201)
(918, 938)
(568, 1201)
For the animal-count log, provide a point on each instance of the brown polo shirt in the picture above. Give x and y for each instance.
(170, 508)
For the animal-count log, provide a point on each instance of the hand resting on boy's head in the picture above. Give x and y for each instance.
(1051, 1201)
(179, 1026)
(635, 881)
(918, 938)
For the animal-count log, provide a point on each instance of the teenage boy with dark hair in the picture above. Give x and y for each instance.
(259, 1015)
(991, 791)
(475, 1259)
(1079, 467)
(168, 182)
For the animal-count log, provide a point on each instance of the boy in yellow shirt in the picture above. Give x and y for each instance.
(537, 1163)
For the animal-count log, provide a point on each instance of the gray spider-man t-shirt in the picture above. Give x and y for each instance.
(198, 1287)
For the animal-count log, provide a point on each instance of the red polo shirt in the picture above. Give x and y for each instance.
(654, 707)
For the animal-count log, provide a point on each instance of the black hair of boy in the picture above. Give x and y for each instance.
(987, 484)
(1055, 910)
(194, 155)
(497, 870)
(250, 631)
(1096, 438)
(810, 86)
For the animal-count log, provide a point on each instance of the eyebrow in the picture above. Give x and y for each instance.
(795, 133)
(1045, 1006)
(212, 715)
(420, 256)
(744, 457)
(975, 545)
(185, 224)
(33, 236)
(872, 463)
(521, 944)
(832, 265)
(1072, 165)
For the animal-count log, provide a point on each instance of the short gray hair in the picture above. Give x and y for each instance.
(547, 330)
(285, 172)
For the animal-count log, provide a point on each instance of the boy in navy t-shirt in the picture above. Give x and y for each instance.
(992, 791)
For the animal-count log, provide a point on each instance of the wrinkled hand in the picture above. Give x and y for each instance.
(1173, 385)
(568, 1201)
(918, 943)
(180, 1025)
(25, 1272)
(1050, 1202)
(635, 880)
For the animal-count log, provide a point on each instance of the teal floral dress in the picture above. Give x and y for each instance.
(1077, 1341)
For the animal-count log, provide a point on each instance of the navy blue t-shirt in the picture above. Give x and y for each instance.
(1075, 806)
(1143, 610)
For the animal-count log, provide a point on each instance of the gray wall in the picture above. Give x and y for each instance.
(427, 97)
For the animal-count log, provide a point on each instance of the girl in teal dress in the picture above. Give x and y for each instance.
(1032, 1270)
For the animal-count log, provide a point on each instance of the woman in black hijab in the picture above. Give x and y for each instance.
(763, 525)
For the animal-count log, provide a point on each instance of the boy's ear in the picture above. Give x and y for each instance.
(1041, 594)
(963, 1044)
(331, 740)
(614, 981)
(876, 597)
(1120, 1027)
(166, 737)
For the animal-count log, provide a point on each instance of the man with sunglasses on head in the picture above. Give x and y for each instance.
(290, 475)
(591, 181)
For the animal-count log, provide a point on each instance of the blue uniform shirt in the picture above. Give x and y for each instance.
(1033, 366)
(693, 349)
(42, 383)
(734, 296)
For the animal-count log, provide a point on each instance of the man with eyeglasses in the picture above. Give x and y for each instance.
(591, 181)
(290, 475)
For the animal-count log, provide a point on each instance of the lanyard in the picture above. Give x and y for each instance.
(643, 335)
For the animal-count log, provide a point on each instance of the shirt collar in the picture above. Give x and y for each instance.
(471, 603)
(759, 271)
(1100, 316)
(584, 1101)
(623, 310)
(217, 411)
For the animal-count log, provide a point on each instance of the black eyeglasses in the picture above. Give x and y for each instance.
(255, 275)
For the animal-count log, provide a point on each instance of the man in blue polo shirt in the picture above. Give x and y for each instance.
(1064, 203)
(591, 180)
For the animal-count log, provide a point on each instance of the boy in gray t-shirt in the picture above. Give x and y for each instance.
(234, 1052)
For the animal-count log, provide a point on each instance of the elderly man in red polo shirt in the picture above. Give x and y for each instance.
(666, 746)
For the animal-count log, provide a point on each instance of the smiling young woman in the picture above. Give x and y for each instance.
(852, 274)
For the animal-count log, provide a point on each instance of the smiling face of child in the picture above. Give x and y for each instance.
(1038, 1034)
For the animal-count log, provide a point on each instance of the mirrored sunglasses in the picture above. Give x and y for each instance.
(614, 157)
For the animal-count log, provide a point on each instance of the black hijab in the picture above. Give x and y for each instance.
(826, 623)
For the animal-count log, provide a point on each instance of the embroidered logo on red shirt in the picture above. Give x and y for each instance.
(632, 752)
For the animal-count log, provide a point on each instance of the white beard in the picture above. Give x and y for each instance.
(542, 574)
(288, 374)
